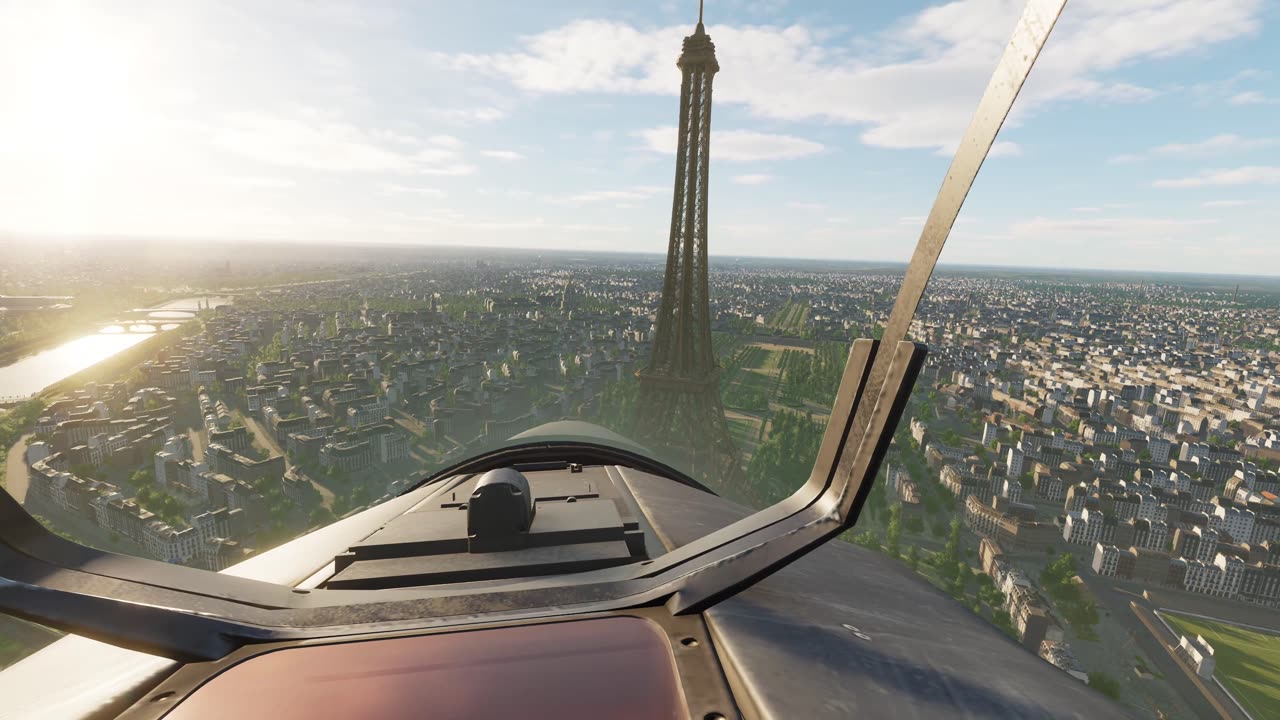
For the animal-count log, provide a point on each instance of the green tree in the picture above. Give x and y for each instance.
(1001, 620)
(991, 595)
(320, 515)
(785, 459)
(951, 552)
(360, 496)
(13, 424)
(913, 558)
(1058, 571)
(1105, 684)
(932, 506)
(867, 539)
(961, 575)
(893, 532)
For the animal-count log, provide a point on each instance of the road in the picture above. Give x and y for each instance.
(16, 469)
(197, 437)
(264, 439)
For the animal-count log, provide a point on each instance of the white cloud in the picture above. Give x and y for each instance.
(458, 221)
(446, 141)
(1113, 226)
(1005, 149)
(312, 141)
(502, 154)
(736, 145)
(468, 115)
(313, 144)
(1247, 175)
(1124, 159)
(259, 183)
(1225, 203)
(1124, 92)
(1220, 144)
(742, 231)
(397, 189)
(1248, 97)
(1000, 148)
(1215, 145)
(451, 169)
(751, 179)
(799, 205)
(639, 192)
(922, 97)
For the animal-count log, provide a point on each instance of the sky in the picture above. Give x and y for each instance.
(1147, 137)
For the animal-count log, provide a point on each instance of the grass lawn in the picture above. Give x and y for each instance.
(745, 430)
(759, 358)
(773, 361)
(752, 380)
(1246, 662)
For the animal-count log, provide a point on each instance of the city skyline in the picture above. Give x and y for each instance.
(656, 256)
(1148, 146)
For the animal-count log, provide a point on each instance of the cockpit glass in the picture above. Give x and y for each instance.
(266, 265)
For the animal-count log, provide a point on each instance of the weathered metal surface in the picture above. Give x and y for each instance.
(848, 632)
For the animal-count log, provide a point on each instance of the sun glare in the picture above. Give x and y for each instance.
(74, 97)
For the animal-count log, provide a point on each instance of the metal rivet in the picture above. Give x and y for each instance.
(162, 696)
(689, 642)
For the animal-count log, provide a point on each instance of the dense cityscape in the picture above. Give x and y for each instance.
(1072, 445)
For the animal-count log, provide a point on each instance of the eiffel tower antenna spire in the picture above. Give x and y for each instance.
(699, 12)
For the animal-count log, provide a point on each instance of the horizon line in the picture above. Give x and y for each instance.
(410, 245)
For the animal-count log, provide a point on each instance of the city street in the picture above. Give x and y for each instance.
(264, 439)
(15, 477)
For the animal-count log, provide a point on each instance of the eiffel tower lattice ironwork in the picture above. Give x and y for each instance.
(680, 414)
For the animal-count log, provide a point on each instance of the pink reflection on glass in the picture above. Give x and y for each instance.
(618, 667)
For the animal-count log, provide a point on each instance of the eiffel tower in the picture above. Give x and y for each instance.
(680, 414)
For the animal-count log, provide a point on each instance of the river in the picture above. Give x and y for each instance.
(33, 373)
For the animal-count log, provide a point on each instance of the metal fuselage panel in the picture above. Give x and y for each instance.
(848, 632)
